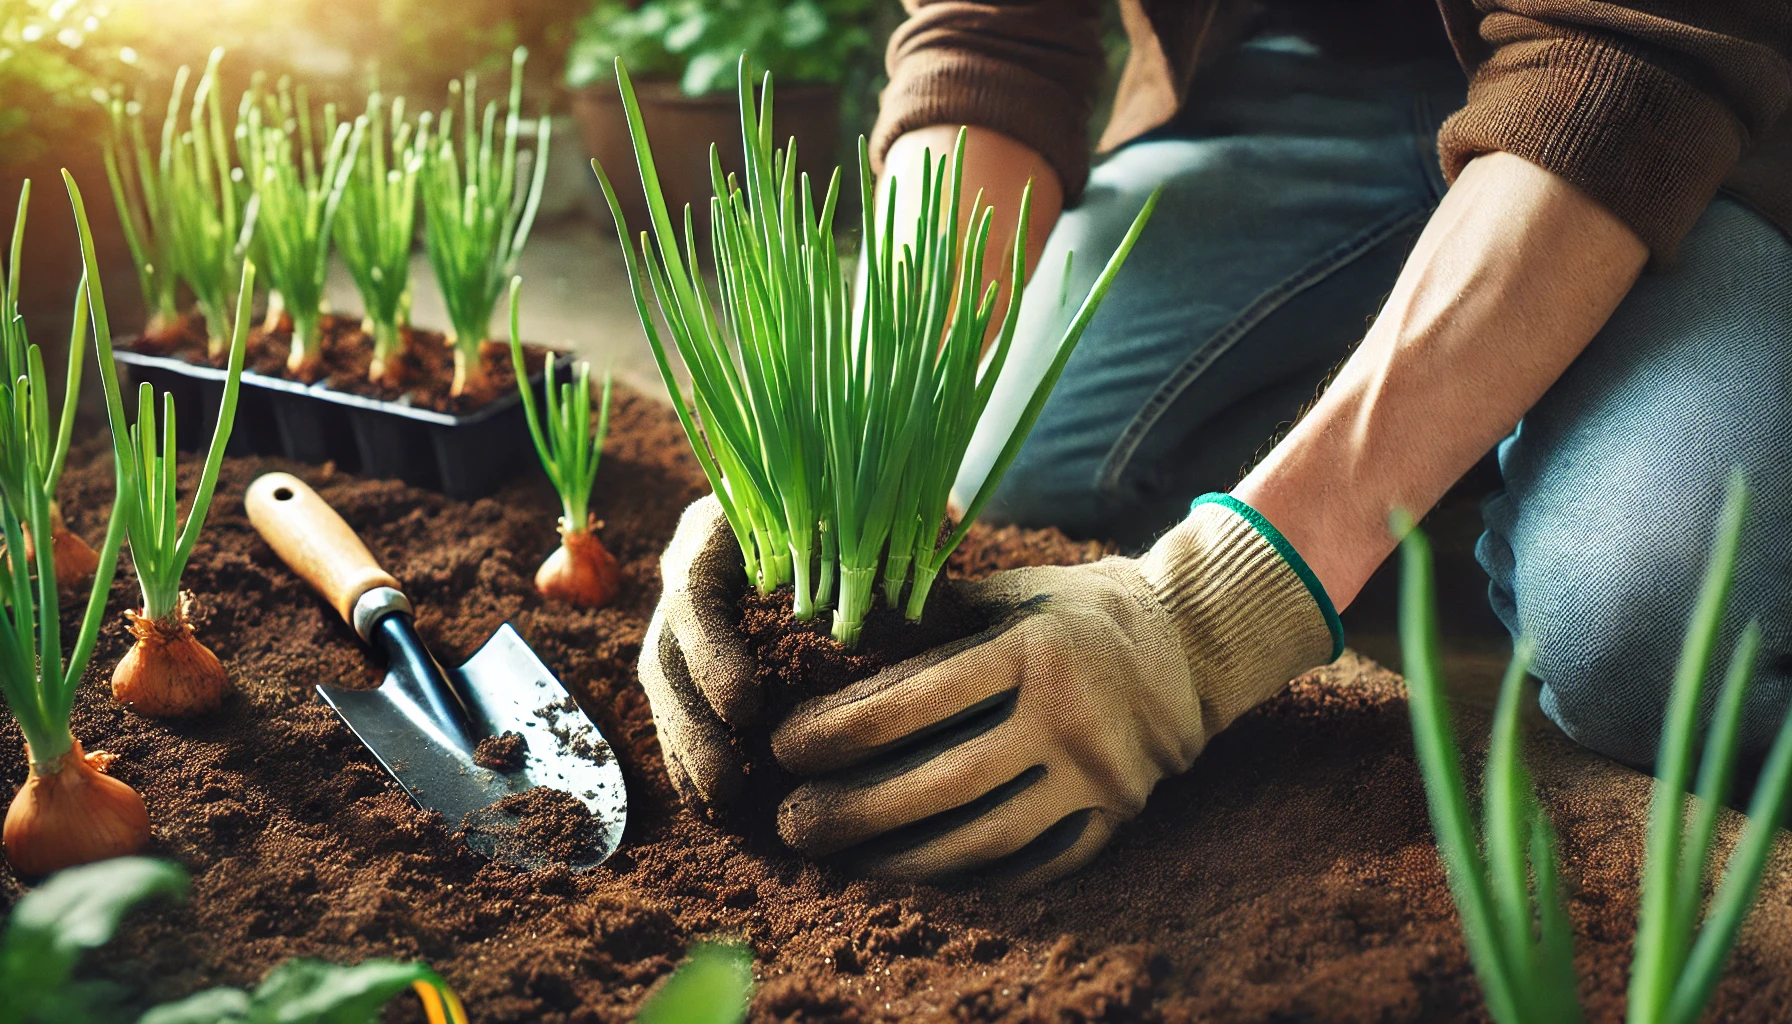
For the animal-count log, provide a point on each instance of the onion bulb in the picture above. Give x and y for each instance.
(69, 812)
(75, 559)
(168, 673)
(581, 570)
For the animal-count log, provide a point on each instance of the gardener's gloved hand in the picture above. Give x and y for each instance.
(694, 662)
(1019, 750)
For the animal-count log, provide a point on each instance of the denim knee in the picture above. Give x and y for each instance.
(1597, 546)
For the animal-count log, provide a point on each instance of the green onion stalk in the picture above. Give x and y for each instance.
(374, 227)
(143, 189)
(831, 438)
(215, 212)
(167, 672)
(68, 811)
(75, 559)
(477, 217)
(1503, 874)
(299, 194)
(581, 570)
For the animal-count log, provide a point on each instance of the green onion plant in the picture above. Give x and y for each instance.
(299, 191)
(477, 215)
(831, 437)
(374, 228)
(75, 560)
(581, 570)
(68, 811)
(1503, 874)
(167, 671)
(143, 188)
(184, 208)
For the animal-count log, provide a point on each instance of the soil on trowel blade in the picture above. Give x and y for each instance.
(502, 753)
(535, 828)
(1290, 876)
(427, 363)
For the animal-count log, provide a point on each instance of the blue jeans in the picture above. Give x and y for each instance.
(1294, 186)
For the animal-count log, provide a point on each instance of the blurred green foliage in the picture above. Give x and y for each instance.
(699, 41)
(54, 54)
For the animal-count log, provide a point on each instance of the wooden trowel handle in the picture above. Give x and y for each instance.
(313, 540)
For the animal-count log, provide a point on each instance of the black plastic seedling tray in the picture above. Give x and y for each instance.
(464, 457)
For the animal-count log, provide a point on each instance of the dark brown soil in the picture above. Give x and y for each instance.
(1290, 876)
(348, 351)
(539, 827)
(502, 753)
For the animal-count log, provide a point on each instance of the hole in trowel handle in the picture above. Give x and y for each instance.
(283, 494)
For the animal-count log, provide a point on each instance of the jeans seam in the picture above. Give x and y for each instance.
(1222, 341)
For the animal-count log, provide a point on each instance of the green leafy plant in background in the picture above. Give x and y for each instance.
(1504, 874)
(54, 56)
(831, 436)
(698, 42)
(80, 909)
(51, 926)
(581, 570)
(714, 986)
(477, 216)
(374, 228)
(299, 192)
(182, 206)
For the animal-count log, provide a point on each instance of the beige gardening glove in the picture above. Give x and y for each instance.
(695, 666)
(1014, 754)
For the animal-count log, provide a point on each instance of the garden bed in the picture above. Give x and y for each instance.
(1289, 876)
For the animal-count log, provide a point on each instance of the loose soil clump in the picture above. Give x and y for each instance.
(1290, 876)
(347, 351)
(505, 752)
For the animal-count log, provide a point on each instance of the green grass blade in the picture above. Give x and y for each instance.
(1441, 767)
(1660, 948)
(1716, 770)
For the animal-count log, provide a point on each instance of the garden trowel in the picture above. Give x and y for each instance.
(424, 723)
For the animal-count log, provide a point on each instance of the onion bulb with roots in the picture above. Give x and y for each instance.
(69, 812)
(581, 570)
(168, 673)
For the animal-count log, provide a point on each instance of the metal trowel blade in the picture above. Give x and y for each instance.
(504, 688)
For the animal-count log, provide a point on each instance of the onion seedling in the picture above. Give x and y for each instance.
(477, 216)
(143, 189)
(1504, 876)
(68, 811)
(581, 570)
(831, 440)
(167, 672)
(299, 195)
(75, 559)
(374, 227)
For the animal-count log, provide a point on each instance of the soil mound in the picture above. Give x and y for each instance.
(1290, 876)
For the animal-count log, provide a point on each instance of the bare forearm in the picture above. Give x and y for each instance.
(994, 164)
(1512, 277)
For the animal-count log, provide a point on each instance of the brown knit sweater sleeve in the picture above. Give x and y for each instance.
(1029, 69)
(1645, 105)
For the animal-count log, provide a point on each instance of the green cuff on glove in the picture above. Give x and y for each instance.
(1267, 530)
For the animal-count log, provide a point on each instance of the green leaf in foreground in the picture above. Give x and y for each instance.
(712, 987)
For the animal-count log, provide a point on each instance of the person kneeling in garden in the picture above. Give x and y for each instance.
(1582, 249)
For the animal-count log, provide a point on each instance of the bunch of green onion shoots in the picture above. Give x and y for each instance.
(477, 216)
(68, 811)
(581, 570)
(167, 672)
(299, 190)
(832, 437)
(183, 209)
(1504, 874)
(374, 227)
(75, 558)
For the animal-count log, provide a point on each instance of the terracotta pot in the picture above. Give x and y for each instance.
(681, 129)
